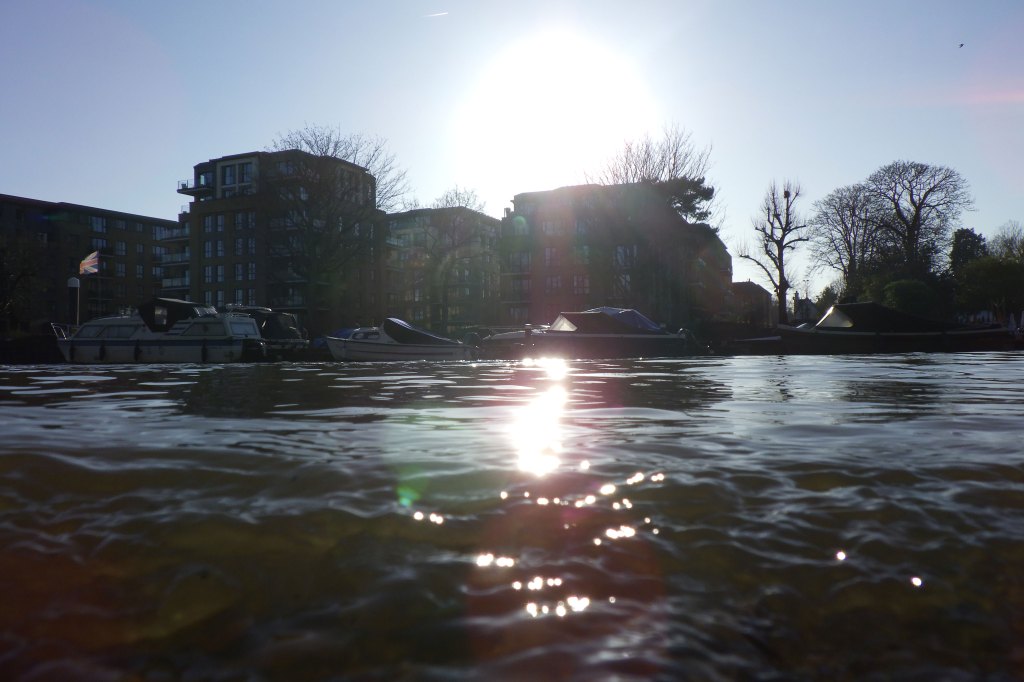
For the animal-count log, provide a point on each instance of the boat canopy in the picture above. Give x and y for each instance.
(403, 332)
(160, 314)
(605, 320)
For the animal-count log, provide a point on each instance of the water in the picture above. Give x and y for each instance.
(699, 519)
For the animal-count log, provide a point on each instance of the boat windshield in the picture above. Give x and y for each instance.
(835, 319)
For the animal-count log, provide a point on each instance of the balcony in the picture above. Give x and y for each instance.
(175, 258)
(175, 283)
(193, 189)
(174, 234)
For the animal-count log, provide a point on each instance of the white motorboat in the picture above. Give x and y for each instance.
(396, 340)
(164, 330)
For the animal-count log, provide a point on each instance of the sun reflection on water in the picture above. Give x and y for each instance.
(536, 430)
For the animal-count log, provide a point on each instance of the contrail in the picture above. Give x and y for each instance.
(436, 14)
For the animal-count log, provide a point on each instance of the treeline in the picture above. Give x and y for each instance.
(895, 238)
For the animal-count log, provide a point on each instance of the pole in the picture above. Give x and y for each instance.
(74, 287)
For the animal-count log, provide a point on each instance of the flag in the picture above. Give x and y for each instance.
(90, 265)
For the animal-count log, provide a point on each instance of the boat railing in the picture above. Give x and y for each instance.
(62, 331)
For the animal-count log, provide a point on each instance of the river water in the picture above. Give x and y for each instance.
(771, 518)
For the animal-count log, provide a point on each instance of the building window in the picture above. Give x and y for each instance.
(120, 248)
(252, 246)
(208, 297)
(220, 222)
(119, 270)
(227, 175)
(252, 272)
(208, 274)
(581, 255)
(239, 272)
(520, 228)
(520, 286)
(245, 172)
(582, 226)
(581, 284)
(239, 246)
(208, 249)
(99, 244)
(99, 223)
(252, 297)
(552, 284)
(207, 223)
(519, 261)
(239, 296)
(622, 284)
(220, 273)
(220, 297)
(140, 249)
(625, 256)
(220, 247)
(550, 256)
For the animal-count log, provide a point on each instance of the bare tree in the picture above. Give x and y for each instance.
(1008, 242)
(674, 164)
(324, 200)
(779, 231)
(648, 160)
(460, 196)
(844, 231)
(921, 204)
(370, 152)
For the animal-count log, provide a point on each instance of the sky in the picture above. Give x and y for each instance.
(109, 103)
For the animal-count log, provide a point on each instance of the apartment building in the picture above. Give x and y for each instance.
(289, 230)
(445, 270)
(585, 246)
(42, 244)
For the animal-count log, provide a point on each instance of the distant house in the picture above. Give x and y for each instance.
(752, 306)
(585, 246)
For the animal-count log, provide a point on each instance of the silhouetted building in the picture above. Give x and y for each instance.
(289, 230)
(585, 246)
(753, 308)
(445, 271)
(42, 244)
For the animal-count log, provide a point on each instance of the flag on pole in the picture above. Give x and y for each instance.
(90, 265)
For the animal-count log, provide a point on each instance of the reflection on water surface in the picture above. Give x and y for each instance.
(712, 518)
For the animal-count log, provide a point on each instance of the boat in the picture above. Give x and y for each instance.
(281, 333)
(868, 327)
(603, 332)
(396, 339)
(164, 330)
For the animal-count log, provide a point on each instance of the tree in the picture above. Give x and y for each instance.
(918, 205)
(324, 208)
(673, 165)
(370, 152)
(20, 279)
(459, 196)
(779, 231)
(991, 283)
(968, 245)
(1008, 243)
(844, 234)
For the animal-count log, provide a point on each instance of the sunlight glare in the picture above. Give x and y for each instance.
(548, 109)
(537, 432)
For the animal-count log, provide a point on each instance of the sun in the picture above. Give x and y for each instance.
(549, 109)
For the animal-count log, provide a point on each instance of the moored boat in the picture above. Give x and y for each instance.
(164, 330)
(862, 328)
(597, 333)
(281, 333)
(395, 339)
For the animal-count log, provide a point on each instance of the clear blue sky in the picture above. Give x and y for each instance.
(110, 102)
